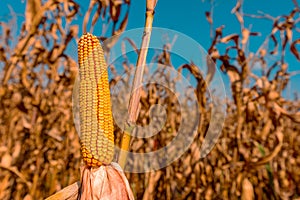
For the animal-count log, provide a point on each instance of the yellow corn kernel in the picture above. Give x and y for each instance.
(96, 122)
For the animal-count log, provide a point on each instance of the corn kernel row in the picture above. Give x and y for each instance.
(96, 122)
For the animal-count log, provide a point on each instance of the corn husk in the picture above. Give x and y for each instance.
(106, 182)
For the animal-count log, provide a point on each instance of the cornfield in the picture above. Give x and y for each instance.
(256, 156)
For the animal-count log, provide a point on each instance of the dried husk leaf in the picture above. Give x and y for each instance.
(247, 190)
(106, 182)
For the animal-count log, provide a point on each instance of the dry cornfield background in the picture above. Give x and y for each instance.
(257, 155)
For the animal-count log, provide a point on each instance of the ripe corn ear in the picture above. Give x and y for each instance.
(96, 122)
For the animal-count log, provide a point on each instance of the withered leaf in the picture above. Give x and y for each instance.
(208, 17)
(234, 37)
(294, 49)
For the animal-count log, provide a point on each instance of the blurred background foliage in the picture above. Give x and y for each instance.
(257, 155)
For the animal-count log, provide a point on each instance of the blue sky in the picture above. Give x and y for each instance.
(189, 19)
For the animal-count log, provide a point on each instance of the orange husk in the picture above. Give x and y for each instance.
(106, 182)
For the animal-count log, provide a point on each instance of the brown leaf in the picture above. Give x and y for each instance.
(245, 34)
(33, 7)
(236, 10)
(132, 43)
(6, 160)
(28, 197)
(233, 74)
(273, 95)
(289, 34)
(274, 52)
(211, 69)
(236, 7)
(266, 129)
(153, 180)
(151, 4)
(115, 11)
(123, 24)
(209, 193)
(68, 193)
(247, 190)
(233, 37)
(273, 153)
(87, 15)
(294, 49)
(208, 17)
(97, 14)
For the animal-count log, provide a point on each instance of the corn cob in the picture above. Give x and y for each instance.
(96, 123)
